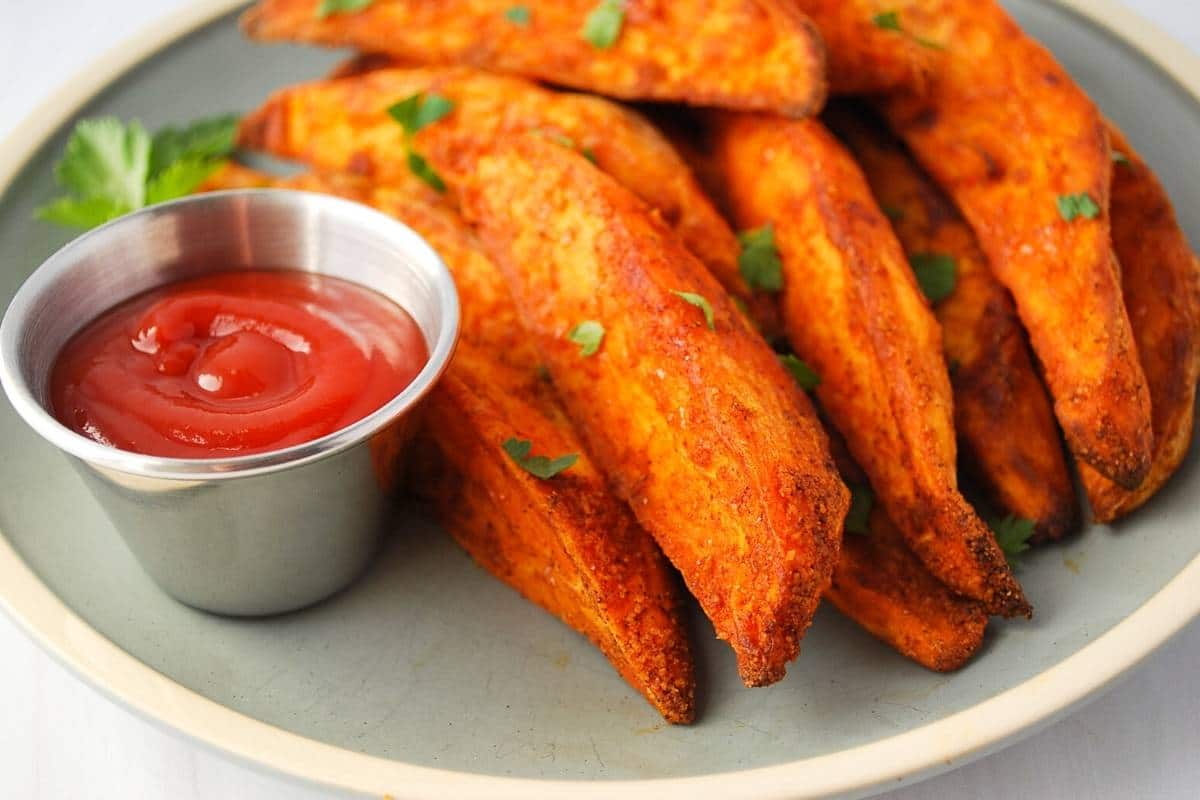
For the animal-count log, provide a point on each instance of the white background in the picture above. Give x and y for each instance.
(60, 739)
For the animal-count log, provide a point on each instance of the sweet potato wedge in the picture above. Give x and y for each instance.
(873, 47)
(1024, 154)
(343, 125)
(1157, 273)
(744, 54)
(567, 543)
(1002, 413)
(853, 311)
(684, 407)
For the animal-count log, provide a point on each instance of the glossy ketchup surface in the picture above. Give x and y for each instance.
(235, 363)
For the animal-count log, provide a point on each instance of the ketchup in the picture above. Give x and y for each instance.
(235, 363)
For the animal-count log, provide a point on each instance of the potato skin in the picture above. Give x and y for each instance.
(746, 54)
(342, 125)
(1157, 278)
(567, 544)
(865, 58)
(854, 313)
(1002, 412)
(701, 430)
(1007, 133)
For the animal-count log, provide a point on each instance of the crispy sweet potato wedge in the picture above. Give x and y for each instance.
(744, 54)
(1157, 271)
(853, 311)
(883, 587)
(1002, 413)
(865, 51)
(343, 125)
(1024, 153)
(568, 544)
(684, 407)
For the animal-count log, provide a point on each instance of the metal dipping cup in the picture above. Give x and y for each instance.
(246, 535)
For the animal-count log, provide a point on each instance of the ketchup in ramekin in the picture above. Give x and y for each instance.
(235, 363)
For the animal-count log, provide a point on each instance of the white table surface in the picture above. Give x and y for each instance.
(60, 739)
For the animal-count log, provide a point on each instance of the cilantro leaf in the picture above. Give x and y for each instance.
(419, 110)
(804, 375)
(106, 159)
(567, 142)
(858, 517)
(602, 27)
(1073, 206)
(890, 21)
(210, 138)
(936, 274)
(420, 167)
(328, 7)
(538, 466)
(519, 16)
(588, 335)
(72, 212)
(179, 178)
(759, 260)
(701, 303)
(1120, 158)
(1013, 535)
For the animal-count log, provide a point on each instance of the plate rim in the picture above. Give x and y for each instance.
(887, 763)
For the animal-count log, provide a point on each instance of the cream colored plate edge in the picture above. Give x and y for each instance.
(888, 763)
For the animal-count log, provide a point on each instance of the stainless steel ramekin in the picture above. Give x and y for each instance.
(256, 534)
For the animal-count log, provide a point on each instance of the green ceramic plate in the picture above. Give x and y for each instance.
(429, 678)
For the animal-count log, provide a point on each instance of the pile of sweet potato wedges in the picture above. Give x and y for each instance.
(745, 334)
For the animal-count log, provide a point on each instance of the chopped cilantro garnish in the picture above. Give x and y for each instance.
(759, 260)
(109, 168)
(1013, 535)
(538, 466)
(602, 27)
(419, 110)
(804, 375)
(328, 7)
(936, 274)
(519, 16)
(420, 167)
(890, 21)
(1119, 158)
(701, 303)
(1072, 206)
(588, 335)
(862, 500)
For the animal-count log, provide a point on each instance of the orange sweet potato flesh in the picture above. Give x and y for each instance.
(700, 429)
(1007, 133)
(1157, 274)
(567, 543)
(342, 125)
(853, 311)
(744, 54)
(1002, 413)
(866, 57)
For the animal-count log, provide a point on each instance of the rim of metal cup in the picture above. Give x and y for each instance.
(21, 395)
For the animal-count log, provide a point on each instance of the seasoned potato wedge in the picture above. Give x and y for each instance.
(1024, 154)
(745, 54)
(876, 47)
(567, 543)
(1157, 274)
(684, 407)
(1002, 414)
(343, 125)
(853, 312)
(883, 587)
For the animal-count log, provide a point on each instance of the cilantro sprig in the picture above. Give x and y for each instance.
(1073, 206)
(602, 27)
(413, 113)
(1013, 535)
(538, 466)
(700, 302)
(890, 21)
(589, 335)
(801, 372)
(110, 168)
(328, 7)
(518, 15)
(759, 260)
(936, 274)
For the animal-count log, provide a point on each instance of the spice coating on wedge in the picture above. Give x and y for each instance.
(685, 408)
(1024, 153)
(747, 54)
(1002, 413)
(854, 313)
